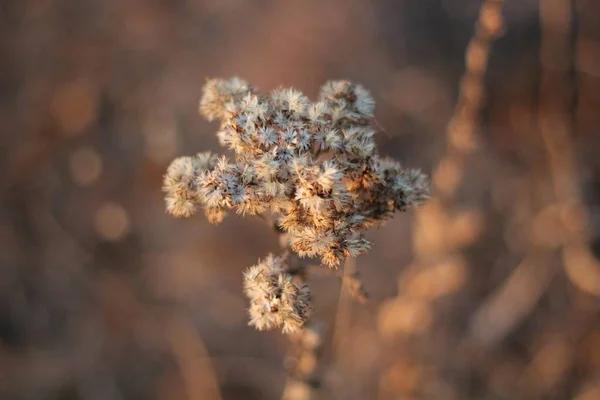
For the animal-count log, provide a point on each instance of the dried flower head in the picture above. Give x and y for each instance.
(314, 165)
(276, 299)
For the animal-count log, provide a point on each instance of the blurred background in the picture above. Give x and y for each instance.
(489, 292)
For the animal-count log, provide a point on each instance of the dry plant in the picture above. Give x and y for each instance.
(557, 229)
(444, 227)
(310, 168)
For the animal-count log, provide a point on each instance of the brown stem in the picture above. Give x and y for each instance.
(304, 380)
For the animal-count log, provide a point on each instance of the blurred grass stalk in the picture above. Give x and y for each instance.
(442, 229)
(438, 242)
(558, 99)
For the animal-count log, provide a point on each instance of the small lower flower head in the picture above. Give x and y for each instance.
(276, 299)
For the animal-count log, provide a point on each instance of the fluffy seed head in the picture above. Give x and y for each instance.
(314, 165)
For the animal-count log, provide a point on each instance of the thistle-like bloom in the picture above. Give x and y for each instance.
(276, 299)
(313, 165)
